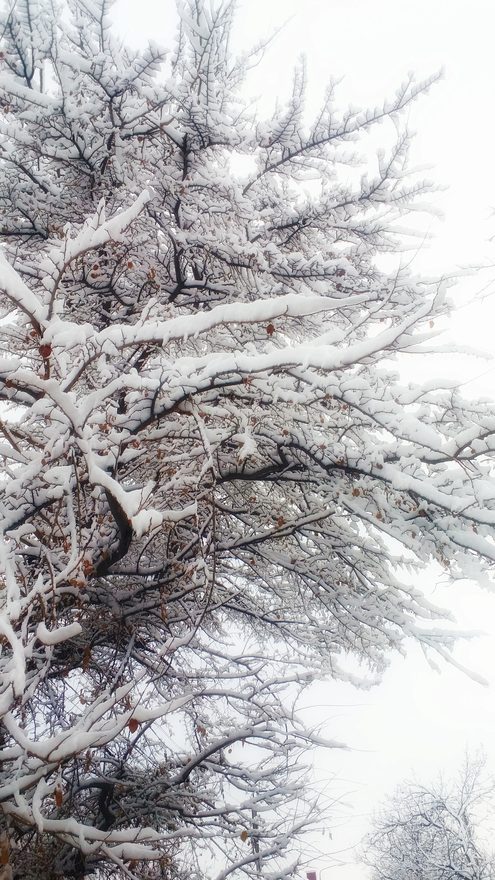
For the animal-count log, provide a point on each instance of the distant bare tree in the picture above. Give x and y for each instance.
(433, 832)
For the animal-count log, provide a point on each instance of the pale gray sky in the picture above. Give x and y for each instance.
(417, 722)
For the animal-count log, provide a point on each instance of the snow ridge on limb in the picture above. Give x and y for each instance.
(207, 454)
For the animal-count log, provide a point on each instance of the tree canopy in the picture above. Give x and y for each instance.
(213, 473)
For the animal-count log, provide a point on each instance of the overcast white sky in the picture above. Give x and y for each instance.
(418, 722)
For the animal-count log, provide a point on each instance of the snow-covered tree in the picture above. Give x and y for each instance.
(434, 832)
(212, 472)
